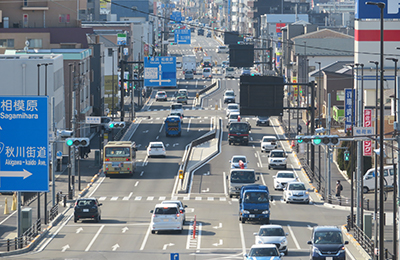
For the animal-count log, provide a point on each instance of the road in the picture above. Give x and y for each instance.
(125, 227)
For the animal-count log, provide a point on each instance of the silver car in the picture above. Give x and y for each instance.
(235, 161)
(296, 192)
(273, 234)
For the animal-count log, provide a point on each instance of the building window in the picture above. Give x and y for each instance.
(7, 43)
(25, 2)
(64, 18)
(35, 43)
(110, 52)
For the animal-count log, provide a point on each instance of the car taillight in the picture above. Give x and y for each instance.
(128, 169)
(128, 159)
(177, 215)
(107, 159)
(106, 169)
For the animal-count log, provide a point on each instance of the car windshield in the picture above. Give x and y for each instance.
(230, 107)
(166, 211)
(237, 159)
(277, 154)
(86, 203)
(176, 106)
(156, 146)
(285, 175)
(229, 94)
(230, 69)
(269, 140)
(238, 128)
(233, 116)
(263, 252)
(328, 237)
(271, 232)
(255, 197)
(296, 186)
(242, 177)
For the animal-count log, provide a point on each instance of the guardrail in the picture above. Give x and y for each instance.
(206, 89)
(19, 242)
(365, 242)
(210, 135)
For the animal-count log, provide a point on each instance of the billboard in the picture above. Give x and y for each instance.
(241, 55)
(232, 37)
(261, 95)
(364, 11)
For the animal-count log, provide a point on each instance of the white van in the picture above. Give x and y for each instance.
(229, 72)
(369, 180)
(166, 217)
(207, 73)
(221, 49)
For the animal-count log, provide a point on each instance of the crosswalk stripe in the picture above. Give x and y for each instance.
(114, 198)
(125, 198)
(102, 198)
(138, 198)
(150, 198)
(161, 198)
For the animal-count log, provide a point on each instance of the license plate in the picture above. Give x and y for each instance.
(115, 164)
(329, 258)
(85, 210)
(166, 219)
(252, 216)
(117, 168)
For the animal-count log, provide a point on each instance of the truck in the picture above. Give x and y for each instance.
(238, 132)
(207, 61)
(189, 63)
(238, 178)
(254, 203)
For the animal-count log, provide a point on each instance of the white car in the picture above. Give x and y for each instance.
(277, 158)
(236, 159)
(232, 108)
(233, 118)
(161, 95)
(296, 192)
(273, 234)
(156, 149)
(177, 108)
(282, 178)
(180, 205)
(268, 143)
(207, 73)
(166, 217)
(179, 65)
(264, 251)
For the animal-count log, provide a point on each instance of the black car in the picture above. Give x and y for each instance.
(87, 208)
(208, 35)
(327, 242)
(262, 120)
(200, 31)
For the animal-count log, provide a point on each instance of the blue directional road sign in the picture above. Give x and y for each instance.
(24, 143)
(160, 71)
(182, 36)
(176, 16)
(190, 18)
(174, 256)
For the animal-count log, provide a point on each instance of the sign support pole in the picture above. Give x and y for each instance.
(19, 230)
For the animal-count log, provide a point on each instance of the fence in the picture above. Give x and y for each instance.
(24, 240)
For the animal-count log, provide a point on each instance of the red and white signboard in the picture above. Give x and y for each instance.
(367, 123)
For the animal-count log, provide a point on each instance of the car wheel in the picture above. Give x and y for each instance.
(287, 252)
(269, 167)
(75, 219)
(365, 190)
(153, 231)
(266, 221)
(243, 220)
(230, 196)
(284, 167)
(97, 219)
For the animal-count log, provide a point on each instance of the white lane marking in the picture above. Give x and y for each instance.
(145, 238)
(157, 137)
(78, 230)
(102, 198)
(255, 154)
(64, 248)
(150, 198)
(162, 198)
(55, 233)
(262, 179)
(167, 245)
(138, 198)
(254, 147)
(136, 184)
(242, 238)
(141, 174)
(125, 229)
(162, 125)
(259, 159)
(114, 198)
(94, 238)
(190, 120)
(97, 186)
(114, 247)
(294, 238)
(224, 181)
(199, 236)
(145, 160)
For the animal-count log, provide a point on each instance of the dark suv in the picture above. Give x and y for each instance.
(87, 208)
(327, 242)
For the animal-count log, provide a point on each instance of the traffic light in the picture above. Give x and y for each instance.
(346, 156)
(77, 142)
(303, 139)
(181, 174)
(330, 140)
(316, 140)
(113, 124)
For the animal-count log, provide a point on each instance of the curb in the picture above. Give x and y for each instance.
(355, 243)
(93, 180)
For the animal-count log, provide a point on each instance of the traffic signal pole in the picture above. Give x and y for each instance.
(312, 103)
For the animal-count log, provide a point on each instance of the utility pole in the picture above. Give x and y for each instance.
(329, 155)
(359, 152)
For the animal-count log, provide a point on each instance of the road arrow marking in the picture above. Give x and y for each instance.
(218, 244)
(114, 247)
(309, 227)
(219, 226)
(207, 190)
(24, 173)
(167, 245)
(145, 132)
(79, 230)
(64, 248)
(125, 229)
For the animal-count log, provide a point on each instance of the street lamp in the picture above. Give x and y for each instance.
(376, 156)
(394, 165)
(38, 78)
(319, 122)
(381, 136)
